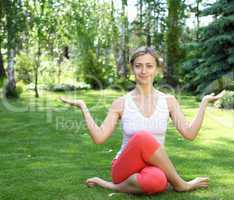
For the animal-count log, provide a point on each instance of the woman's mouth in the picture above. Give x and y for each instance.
(143, 77)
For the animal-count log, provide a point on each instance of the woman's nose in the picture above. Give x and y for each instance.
(143, 69)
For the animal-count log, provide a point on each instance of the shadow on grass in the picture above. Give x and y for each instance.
(217, 154)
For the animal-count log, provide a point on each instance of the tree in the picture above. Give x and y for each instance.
(13, 21)
(172, 40)
(198, 2)
(122, 62)
(2, 35)
(92, 25)
(196, 9)
(215, 58)
(149, 25)
(2, 70)
(42, 26)
(59, 37)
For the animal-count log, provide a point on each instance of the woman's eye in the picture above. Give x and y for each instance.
(149, 66)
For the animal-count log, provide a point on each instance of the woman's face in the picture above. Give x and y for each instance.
(145, 69)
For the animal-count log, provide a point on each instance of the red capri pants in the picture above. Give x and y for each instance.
(134, 159)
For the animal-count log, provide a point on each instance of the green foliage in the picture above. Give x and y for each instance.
(48, 70)
(2, 80)
(93, 70)
(227, 101)
(174, 51)
(24, 67)
(190, 68)
(93, 40)
(13, 20)
(214, 60)
(149, 26)
(97, 37)
(20, 88)
(12, 29)
(123, 84)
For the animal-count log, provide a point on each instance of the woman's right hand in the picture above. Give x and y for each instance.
(79, 103)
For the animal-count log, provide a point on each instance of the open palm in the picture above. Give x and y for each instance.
(212, 97)
(73, 102)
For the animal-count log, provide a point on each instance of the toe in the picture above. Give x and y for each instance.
(89, 183)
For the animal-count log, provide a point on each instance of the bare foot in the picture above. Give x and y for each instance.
(199, 182)
(90, 182)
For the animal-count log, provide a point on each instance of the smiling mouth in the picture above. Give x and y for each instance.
(143, 77)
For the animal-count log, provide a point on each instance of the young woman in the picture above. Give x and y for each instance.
(142, 164)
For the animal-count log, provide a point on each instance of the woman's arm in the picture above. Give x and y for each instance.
(99, 134)
(189, 130)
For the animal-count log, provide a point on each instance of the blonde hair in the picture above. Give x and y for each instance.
(146, 50)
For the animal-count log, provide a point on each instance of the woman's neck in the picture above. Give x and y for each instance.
(144, 90)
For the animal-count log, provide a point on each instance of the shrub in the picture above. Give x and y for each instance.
(227, 101)
(24, 67)
(67, 87)
(122, 84)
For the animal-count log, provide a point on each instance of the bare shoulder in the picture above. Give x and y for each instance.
(118, 105)
(170, 97)
(171, 101)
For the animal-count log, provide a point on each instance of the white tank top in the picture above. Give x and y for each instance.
(133, 120)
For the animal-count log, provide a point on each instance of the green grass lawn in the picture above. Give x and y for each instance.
(46, 153)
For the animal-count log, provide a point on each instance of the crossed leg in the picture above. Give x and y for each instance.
(129, 185)
(146, 151)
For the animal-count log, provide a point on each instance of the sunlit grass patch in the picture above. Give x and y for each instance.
(47, 153)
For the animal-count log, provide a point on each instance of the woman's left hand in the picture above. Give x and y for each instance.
(211, 97)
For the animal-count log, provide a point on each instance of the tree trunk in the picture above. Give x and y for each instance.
(148, 35)
(36, 80)
(11, 84)
(141, 8)
(2, 70)
(60, 60)
(148, 26)
(122, 61)
(173, 42)
(197, 18)
(36, 71)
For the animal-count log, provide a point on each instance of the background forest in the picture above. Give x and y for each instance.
(67, 44)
